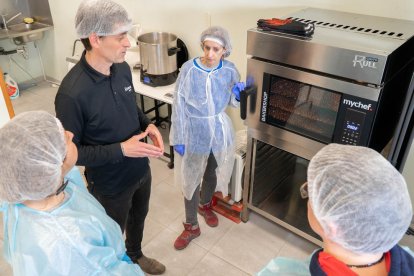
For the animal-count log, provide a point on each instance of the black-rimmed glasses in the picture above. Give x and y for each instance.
(62, 187)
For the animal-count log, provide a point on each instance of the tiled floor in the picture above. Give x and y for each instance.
(229, 249)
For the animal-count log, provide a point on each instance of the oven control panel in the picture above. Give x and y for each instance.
(353, 123)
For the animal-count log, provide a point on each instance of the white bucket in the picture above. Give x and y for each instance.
(11, 85)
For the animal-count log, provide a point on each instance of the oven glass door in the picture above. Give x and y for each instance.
(299, 107)
(277, 178)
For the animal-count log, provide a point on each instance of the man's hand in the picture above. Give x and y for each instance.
(133, 147)
(155, 136)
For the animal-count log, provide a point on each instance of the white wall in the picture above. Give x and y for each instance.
(187, 19)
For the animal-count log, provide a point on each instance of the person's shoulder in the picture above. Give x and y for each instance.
(123, 67)
(187, 65)
(229, 64)
(404, 252)
(73, 81)
(72, 77)
(402, 261)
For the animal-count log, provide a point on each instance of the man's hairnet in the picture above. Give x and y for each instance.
(359, 198)
(32, 150)
(103, 17)
(217, 34)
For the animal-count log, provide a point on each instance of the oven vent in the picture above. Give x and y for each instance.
(351, 28)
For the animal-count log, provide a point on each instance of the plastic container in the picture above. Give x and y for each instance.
(11, 85)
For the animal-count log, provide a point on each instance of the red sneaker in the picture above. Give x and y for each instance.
(190, 232)
(208, 214)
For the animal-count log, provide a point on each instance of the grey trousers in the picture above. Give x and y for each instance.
(208, 188)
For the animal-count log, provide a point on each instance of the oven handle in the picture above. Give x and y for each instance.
(244, 94)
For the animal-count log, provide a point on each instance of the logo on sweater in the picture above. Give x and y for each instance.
(128, 89)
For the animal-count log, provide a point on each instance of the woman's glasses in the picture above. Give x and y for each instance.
(62, 187)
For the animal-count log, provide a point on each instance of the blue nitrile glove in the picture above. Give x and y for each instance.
(180, 149)
(237, 87)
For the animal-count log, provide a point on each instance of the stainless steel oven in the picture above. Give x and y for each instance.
(347, 84)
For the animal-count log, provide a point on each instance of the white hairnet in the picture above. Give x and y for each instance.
(359, 198)
(103, 17)
(218, 33)
(32, 150)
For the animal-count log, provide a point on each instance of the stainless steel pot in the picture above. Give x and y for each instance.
(158, 52)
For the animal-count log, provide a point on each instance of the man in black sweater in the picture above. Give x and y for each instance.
(96, 102)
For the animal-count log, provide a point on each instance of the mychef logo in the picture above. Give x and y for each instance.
(358, 105)
(364, 61)
(264, 107)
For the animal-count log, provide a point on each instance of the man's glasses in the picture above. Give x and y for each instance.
(304, 190)
(62, 187)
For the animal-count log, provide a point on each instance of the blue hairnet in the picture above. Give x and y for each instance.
(359, 198)
(103, 17)
(32, 150)
(220, 34)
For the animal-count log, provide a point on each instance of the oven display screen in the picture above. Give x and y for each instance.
(352, 127)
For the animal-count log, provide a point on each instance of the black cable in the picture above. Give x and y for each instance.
(410, 231)
(4, 53)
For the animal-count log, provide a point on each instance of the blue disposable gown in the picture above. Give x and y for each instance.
(200, 123)
(76, 238)
(287, 267)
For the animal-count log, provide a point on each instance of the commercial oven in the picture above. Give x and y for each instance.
(347, 84)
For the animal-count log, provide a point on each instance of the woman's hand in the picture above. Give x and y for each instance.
(237, 87)
(180, 149)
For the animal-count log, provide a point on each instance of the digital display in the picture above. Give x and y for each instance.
(352, 127)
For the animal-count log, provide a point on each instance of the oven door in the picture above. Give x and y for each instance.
(275, 179)
(300, 111)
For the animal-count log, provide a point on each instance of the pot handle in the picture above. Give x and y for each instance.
(172, 51)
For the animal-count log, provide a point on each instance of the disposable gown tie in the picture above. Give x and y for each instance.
(200, 123)
(76, 238)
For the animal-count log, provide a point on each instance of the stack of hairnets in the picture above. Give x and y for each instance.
(32, 150)
(289, 26)
(102, 17)
(359, 198)
(219, 34)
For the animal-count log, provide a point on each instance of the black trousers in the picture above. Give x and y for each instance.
(208, 188)
(129, 209)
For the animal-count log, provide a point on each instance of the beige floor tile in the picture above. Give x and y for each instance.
(408, 240)
(250, 245)
(151, 230)
(160, 171)
(214, 266)
(166, 204)
(297, 247)
(178, 263)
